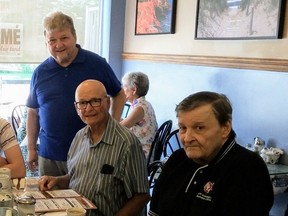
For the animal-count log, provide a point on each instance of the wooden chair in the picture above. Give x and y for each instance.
(172, 143)
(158, 142)
(17, 116)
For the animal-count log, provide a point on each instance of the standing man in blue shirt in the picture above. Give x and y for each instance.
(51, 114)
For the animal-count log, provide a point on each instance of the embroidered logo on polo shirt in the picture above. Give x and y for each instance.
(208, 187)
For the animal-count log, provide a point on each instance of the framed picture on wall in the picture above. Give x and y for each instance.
(240, 19)
(155, 17)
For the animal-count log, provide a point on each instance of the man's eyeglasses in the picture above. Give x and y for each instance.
(95, 102)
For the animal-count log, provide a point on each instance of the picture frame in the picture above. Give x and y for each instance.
(155, 17)
(239, 19)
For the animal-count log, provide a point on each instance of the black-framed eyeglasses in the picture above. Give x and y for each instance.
(95, 102)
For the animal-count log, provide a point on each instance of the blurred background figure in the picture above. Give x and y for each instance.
(141, 119)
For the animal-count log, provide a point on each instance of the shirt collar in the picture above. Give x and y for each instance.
(136, 101)
(230, 142)
(108, 134)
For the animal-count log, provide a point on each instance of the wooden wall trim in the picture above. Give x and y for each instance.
(280, 65)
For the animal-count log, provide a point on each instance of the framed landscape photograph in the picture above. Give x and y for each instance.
(240, 19)
(155, 17)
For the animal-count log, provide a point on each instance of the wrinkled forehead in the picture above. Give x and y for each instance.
(198, 114)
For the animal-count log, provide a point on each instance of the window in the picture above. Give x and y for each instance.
(22, 45)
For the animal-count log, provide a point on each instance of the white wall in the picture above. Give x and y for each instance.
(182, 42)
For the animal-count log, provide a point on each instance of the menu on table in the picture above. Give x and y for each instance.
(53, 200)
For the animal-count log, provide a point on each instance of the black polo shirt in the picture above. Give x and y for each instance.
(235, 183)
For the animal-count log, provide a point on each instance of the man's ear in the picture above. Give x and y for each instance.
(227, 128)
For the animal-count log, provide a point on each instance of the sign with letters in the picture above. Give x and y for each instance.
(11, 39)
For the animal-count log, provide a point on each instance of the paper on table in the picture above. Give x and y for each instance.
(34, 194)
(55, 214)
(54, 200)
(63, 193)
(58, 204)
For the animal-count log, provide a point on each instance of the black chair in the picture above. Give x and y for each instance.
(154, 170)
(18, 114)
(157, 145)
(172, 143)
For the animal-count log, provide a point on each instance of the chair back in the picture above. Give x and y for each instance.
(172, 143)
(154, 170)
(17, 116)
(156, 149)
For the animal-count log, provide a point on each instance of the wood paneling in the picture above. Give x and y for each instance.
(280, 65)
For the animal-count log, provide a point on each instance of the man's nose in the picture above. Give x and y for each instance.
(89, 106)
(58, 43)
(189, 135)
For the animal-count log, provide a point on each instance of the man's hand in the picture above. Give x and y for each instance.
(32, 159)
(47, 182)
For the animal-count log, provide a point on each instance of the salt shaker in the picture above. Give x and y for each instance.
(26, 205)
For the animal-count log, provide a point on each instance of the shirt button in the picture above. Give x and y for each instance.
(195, 182)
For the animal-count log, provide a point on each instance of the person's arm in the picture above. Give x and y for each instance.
(48, 182)
(3, 162)
(134, 117)
(14, 161)
(32, 136)
(12, 157)
(134, 206)
(117, 104)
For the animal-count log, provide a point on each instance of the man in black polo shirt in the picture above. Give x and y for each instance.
(212, 175)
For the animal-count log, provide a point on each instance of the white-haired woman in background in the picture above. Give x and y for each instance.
(141, 119)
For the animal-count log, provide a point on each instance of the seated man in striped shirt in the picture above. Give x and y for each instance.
(106, 163)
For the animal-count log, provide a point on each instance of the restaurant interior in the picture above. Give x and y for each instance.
(251, 71)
